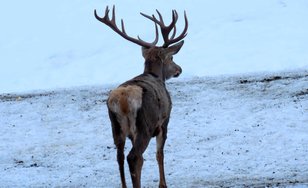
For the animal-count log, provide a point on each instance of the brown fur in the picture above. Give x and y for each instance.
(125, 99)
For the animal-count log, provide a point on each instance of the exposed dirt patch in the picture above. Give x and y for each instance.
(272, 78)
(21, 97)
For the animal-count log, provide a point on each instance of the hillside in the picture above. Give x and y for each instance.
(60, 44)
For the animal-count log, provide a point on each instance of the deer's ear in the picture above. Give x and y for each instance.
(174, 49)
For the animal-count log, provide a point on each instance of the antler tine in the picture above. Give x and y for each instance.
(122, 26)
(174, 17)
(151, 18)
(181, 36)
(161, 20)
(113, 15)
(165, 30)
(112, 24)
(173, 34)
(107, 13)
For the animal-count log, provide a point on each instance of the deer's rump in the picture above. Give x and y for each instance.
(141, 104)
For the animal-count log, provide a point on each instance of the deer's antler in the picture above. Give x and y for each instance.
(112, 24)
(165, 30)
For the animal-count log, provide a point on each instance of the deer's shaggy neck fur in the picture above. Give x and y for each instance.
(154, 64)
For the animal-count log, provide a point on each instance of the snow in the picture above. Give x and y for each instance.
(239, 115)
(59, 44)
(224, 131)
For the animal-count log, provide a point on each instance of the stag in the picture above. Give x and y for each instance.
(140, 108)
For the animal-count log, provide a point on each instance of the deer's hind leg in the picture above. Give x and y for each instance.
(135, 159)
(160, 143)
(140, 140)
(119, 140)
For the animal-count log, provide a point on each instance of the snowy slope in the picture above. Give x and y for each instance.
(59, 44)
(248, 130)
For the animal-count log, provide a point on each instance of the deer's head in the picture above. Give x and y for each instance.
(158, 59)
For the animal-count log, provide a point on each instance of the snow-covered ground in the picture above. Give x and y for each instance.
(224, 131)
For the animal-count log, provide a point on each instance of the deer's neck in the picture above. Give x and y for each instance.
(154, 68)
